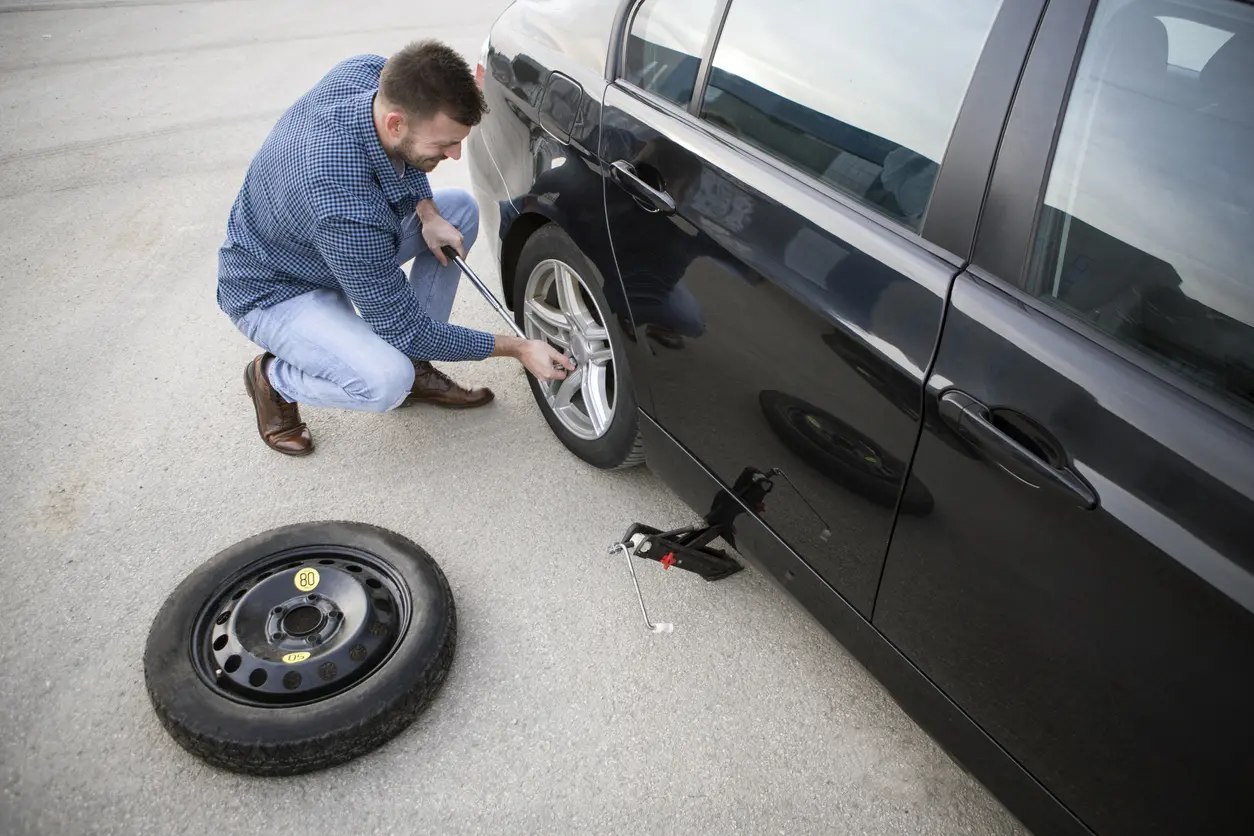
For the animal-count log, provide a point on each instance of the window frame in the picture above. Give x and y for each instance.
(1012, 212)
(615, 69)
(962, 182)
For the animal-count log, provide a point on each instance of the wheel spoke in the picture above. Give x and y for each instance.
(568, 298)
(595, 397)
(600, 356)
(596, 333)
(551, 323)
(568, 388)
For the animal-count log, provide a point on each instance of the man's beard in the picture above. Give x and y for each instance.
(424, 164)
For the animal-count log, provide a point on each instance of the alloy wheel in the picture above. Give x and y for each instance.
(559, 309)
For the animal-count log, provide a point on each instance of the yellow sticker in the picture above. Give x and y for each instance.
(307, 580)
(293, 658)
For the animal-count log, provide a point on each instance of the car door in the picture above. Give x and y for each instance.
(773, 167)
(1084, 588)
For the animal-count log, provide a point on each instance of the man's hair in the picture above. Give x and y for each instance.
(428, 77)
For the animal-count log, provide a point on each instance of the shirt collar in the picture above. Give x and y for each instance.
(394, 188)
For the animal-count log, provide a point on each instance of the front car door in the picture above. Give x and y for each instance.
(1084, 588)
(774, 168)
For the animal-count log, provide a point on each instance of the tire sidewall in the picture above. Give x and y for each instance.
(616, 445)
(182, 698)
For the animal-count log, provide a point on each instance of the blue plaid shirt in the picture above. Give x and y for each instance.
(321, 206)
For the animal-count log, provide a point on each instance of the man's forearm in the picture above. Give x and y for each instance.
(506, 345)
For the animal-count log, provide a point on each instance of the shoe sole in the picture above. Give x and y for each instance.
(416, 401)
(252, 394)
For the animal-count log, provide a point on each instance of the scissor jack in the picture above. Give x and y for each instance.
(687, 548)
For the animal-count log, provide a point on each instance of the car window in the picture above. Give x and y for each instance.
(664, 47)
(1147, 228)
(863, 96)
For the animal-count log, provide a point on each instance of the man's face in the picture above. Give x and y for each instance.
(424, 144)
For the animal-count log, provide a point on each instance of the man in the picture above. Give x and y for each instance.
(334, 203)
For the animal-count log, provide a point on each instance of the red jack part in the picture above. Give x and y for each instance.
(668, 560)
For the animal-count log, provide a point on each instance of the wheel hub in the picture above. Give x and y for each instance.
(303, 620)
(579, 347)
(301, 630)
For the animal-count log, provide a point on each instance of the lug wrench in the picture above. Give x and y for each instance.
(661, 626)
(488, 295)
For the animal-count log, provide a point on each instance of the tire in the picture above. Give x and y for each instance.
(620, 445)
(841, 453)
(349, 701)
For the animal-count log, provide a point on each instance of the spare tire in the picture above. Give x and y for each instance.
(301, 647)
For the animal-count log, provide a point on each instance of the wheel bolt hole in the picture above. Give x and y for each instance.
(220, 642)
(278, 610)
(337, 614)
(278, 637)
(313, 597)
(258, 678)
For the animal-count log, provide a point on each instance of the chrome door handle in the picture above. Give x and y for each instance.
(973, 423)
(622, 173)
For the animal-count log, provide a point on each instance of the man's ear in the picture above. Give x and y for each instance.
(394, 122)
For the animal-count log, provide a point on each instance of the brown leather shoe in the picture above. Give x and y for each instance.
(278, 420)
(433, 386)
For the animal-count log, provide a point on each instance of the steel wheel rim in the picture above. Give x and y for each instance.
(559, 308)
(300, 626)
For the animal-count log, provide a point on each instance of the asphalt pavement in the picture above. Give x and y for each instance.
(128, 455)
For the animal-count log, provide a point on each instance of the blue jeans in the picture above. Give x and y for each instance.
(327, 356)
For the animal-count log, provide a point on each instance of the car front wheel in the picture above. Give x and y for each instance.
(558, 299)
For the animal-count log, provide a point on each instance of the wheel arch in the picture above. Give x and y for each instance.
(528, 223)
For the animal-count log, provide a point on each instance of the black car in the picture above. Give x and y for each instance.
(972, 281)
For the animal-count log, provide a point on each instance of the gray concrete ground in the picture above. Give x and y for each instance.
(128, 454)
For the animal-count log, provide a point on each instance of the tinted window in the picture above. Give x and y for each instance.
(862, 95)
(664, 47)
(1147, 231)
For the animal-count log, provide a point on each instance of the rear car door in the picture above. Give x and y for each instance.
(1084, 587)
(773, 171)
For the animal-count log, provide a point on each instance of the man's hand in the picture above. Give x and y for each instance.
(544, 361)
(537, 356)
(438, 232)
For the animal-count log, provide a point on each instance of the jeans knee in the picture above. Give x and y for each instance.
(458, 207)
(386, 383)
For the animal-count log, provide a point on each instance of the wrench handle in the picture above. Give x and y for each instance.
(452, 255)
